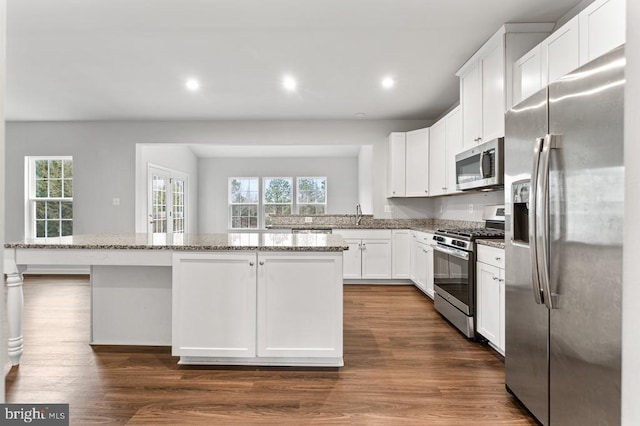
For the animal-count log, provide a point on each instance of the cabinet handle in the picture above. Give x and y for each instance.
(444, 189)
(364, 246)
(261, 263)
(478, 139)
(496, 279)
(498, 259)
(501, 280)
(251, 263)
(426, 191)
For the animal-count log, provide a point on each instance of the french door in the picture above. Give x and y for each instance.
(167, 202)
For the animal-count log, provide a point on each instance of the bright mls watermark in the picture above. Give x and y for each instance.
(34, 414)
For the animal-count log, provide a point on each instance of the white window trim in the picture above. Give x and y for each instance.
(326, 193)
(230, 204)
(29, 191)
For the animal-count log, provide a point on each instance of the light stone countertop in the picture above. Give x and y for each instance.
(284, 241)
(492, 243)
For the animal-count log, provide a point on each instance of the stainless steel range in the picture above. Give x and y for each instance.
(454, 267)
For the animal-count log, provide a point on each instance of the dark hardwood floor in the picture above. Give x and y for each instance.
(403, 365)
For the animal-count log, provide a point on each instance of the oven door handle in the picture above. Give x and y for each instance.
(452, 252)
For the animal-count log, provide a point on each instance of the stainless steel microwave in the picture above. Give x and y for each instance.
(481, 167)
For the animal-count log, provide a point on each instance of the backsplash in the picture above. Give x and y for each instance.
(349, 221)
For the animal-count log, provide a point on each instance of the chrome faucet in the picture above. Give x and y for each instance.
(358, 214)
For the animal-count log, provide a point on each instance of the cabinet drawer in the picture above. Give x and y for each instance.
(491, 256)
(364, 234)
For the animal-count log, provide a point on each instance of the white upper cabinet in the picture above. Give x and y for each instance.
(417, 163)
(397, 152)
(560, 52)
(437, 159)
(445, 142)
(486, 80)
(527, 75)
(493, 92)
(408, 171)
(596, 30)
(471, 98)
(602, 28)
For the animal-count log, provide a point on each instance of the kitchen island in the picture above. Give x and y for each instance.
(231, 299)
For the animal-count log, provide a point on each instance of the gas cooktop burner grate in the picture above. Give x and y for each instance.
(474, 233)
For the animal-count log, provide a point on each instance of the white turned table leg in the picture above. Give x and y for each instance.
(15, 306)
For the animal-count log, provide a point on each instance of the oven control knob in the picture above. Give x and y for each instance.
(437, 238)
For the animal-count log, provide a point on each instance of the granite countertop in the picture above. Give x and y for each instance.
(284, 241)
(492, 243)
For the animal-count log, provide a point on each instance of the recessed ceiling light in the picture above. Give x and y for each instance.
(192, 85)
(289, 83)
(388, 82)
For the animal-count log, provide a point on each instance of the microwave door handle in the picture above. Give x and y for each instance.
(542, 215)
(481, 161)
(533, 235)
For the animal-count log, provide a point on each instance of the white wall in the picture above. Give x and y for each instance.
(365, 179)
(178, 158)
(631, 271)
(456, 207)
(105, 157)
(341, 173)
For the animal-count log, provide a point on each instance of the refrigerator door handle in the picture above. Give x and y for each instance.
(542, 218)
(533, 214)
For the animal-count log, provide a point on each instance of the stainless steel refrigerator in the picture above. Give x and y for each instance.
(564, 194)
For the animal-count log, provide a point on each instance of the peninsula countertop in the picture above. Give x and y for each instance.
(284, 241)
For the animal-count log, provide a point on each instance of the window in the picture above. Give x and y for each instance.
(167, 202)
(277, 197)
(312, 195)
(252, 205)
(178, 206)
(50, 197)
(244, 202)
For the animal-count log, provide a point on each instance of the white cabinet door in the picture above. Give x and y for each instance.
(527, 75)
(299, 305)
(471, 101)
(488, 297)
(438, 158)
(214, 300)
(417, 163)
(561, 52)
(493, 96)
(376, 258)
(429, 277)
(602, 28)
(454, 146)
(352, 259)
(397, 166)
(401, 254)
(421, 268)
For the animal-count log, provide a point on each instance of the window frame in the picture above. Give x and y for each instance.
(298, 204)
(231, 204)
(263, 207)
(30, 223)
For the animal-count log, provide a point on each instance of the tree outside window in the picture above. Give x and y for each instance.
(243, 202)
(50, 201)
(311, 195)
(278, 197)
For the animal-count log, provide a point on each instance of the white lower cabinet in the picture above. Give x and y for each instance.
(401, 253)
(369, 254)
(214, 299)
(422, 262)
(490, 296)
(299, 308)
(275, 308)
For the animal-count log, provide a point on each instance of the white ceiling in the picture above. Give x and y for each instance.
(128, 59)
(270, 151)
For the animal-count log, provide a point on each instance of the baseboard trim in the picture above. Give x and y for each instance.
(57, 270)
